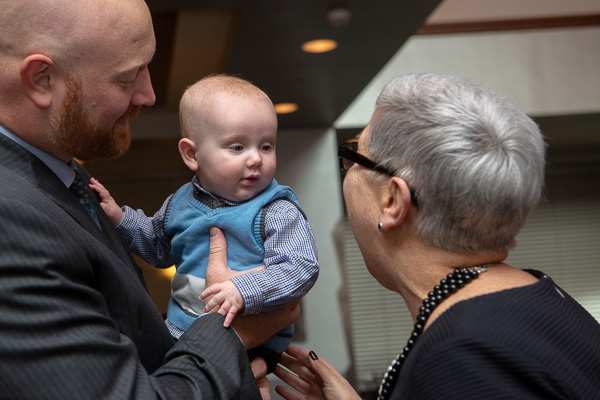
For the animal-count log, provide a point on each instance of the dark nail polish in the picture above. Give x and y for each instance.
(313, 355)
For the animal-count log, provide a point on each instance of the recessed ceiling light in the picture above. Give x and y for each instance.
(319, 46)
(339, 14)
(285, 108)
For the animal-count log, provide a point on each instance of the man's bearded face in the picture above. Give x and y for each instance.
(77, 135)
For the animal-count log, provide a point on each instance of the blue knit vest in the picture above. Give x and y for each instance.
(188, 221)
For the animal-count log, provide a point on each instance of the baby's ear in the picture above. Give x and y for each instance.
(187, 149)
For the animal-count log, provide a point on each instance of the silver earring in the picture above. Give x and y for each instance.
(380, 225)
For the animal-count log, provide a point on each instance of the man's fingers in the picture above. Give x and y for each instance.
(256, 329)
(294, 312)
(217, 268)
(259, 368)
(218, 245)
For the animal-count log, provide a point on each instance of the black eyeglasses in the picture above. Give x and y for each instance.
(348, 156)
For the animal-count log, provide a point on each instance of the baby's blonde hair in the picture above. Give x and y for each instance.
(197, 98)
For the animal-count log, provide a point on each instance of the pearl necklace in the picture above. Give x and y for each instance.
(454, 281)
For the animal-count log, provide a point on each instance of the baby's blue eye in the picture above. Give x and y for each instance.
(237, 148)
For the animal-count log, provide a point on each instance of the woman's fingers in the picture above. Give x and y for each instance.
(294, 381)
(291, 363)
(300, 382)
(289, 394)
(312, 376)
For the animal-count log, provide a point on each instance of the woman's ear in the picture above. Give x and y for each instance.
(38, 79)
(187, 149)
(396, 202)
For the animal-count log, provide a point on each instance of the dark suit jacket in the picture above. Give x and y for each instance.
(76, 321)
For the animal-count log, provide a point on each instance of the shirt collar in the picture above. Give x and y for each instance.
(64, 171)
(208, 198)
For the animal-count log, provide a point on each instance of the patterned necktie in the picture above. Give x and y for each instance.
(79, 189)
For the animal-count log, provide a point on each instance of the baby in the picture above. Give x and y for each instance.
(229, 130)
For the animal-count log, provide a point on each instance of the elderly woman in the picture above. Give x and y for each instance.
(442, 179)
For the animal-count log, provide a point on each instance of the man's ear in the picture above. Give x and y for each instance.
(37, 77)
(396, 203)
(187, 149)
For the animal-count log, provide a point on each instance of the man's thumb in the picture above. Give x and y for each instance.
(217, 268)
(218, 245)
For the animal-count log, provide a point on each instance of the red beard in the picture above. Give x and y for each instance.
(76, 135)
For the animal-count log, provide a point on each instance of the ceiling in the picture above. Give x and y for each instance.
(261, 41)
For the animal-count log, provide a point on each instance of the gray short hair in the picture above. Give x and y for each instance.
(475, 160)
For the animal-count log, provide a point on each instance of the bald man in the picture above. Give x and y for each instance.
(76, 321)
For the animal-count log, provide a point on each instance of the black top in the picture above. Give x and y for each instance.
(532, 342)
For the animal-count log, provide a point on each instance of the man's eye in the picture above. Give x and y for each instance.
(126, 83)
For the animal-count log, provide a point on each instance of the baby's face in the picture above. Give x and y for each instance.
(237, 157)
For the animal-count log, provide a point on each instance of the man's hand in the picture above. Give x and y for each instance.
(252, 329)
(259, 368)
(219, 290)
(217, 270)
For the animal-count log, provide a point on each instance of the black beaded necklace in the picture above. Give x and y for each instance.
(454, 281)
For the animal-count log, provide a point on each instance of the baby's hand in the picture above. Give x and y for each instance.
(227, 295)
(108, 204)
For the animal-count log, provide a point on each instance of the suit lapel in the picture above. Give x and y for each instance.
(34, 171)
(63, 197)
(109, 233)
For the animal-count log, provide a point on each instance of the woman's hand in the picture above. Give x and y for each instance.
(312, 376)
